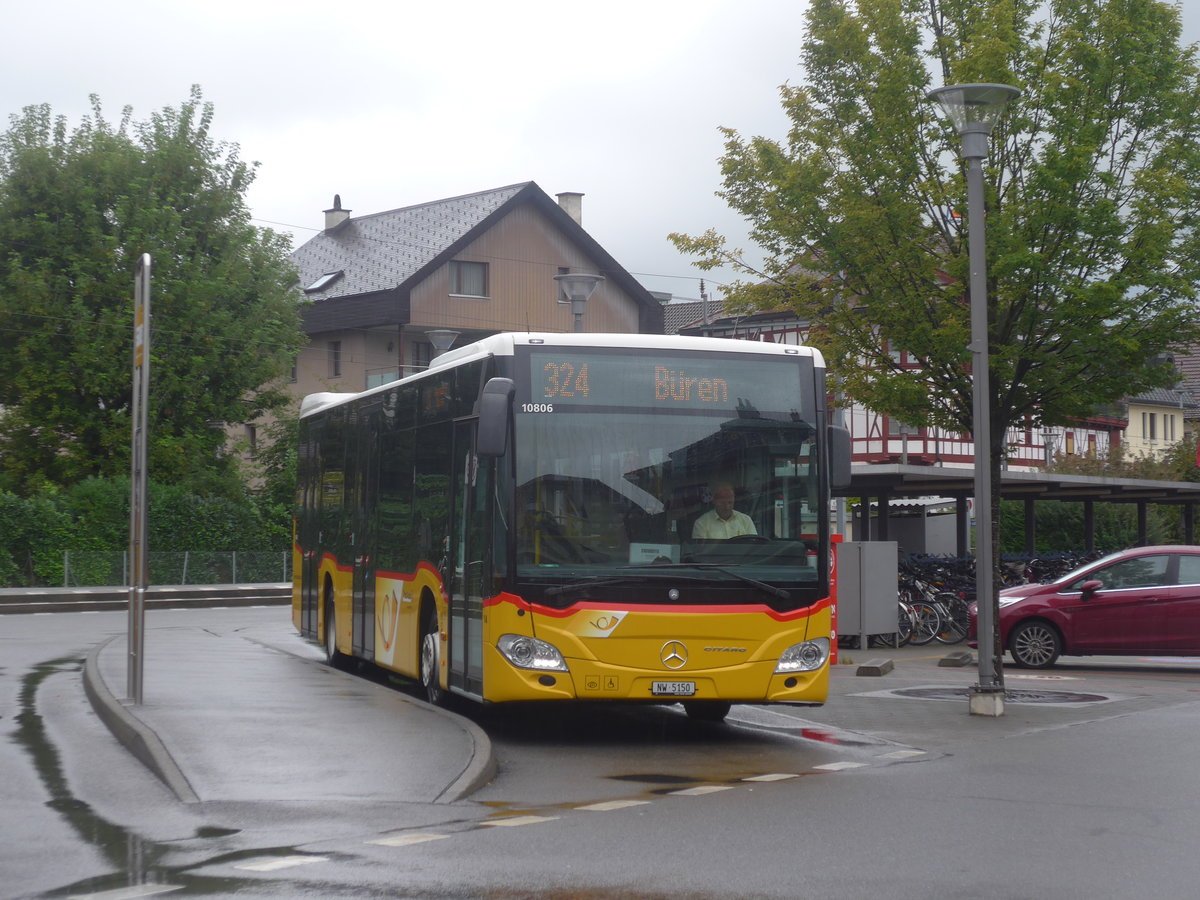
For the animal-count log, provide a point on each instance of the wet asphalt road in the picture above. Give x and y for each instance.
(870, 796)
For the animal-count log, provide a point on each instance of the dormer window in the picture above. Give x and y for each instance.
(324, 281)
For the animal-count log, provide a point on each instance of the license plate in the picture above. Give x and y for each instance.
(673, 688)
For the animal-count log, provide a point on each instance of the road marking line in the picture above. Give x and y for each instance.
(838, 766)
(612, 804)
(284, 862)
(776, 776)
(520, 820)
(701, 789)
(404, 840)
(903, 754)
(129, 893)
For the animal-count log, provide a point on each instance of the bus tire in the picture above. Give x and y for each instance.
(707, 710)
(333, 656)
(430, 653)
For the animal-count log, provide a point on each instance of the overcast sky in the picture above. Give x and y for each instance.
(395, 104)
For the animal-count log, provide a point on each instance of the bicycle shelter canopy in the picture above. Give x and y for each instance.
(879, 484)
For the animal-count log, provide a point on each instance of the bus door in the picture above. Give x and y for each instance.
(365, 529)
(308, 529)
(470, 540)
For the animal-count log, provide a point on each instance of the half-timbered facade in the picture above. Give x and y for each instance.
(877, 438)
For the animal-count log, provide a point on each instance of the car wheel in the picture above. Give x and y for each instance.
(1035, 645)
(431, 659)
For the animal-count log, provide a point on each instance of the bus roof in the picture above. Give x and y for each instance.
(505, 343)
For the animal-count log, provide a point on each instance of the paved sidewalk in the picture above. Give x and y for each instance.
(228, 717)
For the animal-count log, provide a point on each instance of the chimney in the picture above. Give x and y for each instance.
(572, 205)
(337, 217)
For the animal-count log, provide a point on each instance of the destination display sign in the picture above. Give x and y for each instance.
(569, 377)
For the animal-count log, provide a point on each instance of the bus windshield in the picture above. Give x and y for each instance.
(629, 466)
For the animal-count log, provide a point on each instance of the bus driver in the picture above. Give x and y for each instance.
(722, 521)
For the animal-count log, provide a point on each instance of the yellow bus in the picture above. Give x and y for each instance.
(548, 517)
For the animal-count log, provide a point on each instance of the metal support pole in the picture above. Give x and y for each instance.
(139, 568)
(990, 679)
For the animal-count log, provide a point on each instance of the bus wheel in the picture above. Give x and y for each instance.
(333, 656)
(707, 710)
(430, 657)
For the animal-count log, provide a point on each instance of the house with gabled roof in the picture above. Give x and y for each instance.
(389, 290)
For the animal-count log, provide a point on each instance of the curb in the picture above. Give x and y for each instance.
(479, 770)
(131, 732)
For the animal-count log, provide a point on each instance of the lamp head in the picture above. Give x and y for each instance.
(974, 107)
(578, 285)
(442, 339)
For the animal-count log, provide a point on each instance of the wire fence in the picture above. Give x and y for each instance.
(93, 568)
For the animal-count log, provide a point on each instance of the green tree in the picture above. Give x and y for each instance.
(1093, 196)
(78, 207)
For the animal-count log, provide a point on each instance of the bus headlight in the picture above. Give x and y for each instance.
(530, 653)
(806, 657)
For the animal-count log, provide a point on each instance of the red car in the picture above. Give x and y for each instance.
(1136, 602)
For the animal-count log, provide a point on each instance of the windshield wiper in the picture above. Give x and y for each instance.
(732, 573)
(559, 589)
(658, 573)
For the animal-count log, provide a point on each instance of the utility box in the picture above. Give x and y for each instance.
(867, 588)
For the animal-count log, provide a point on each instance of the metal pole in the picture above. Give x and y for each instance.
(138, 552)
(991, 683)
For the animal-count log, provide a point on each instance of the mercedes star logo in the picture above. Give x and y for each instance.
(673, 655)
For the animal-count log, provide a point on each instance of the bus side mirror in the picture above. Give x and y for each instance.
(839, 456)
(494, 406)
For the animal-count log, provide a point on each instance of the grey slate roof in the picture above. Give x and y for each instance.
(679, 315)
(1168, 397)
(379, 251)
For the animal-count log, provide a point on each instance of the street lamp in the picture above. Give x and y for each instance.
(442, 339)
(578, 287)
(974, 109)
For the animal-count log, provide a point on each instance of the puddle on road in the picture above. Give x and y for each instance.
(133, 860)
(655, 778)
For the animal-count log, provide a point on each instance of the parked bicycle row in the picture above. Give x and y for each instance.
(934, 593)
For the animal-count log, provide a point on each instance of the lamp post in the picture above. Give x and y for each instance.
(578, 287)
(974, 109)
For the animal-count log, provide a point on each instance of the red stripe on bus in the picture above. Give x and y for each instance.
(553, 612)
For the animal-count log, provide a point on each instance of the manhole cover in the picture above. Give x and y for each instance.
(1010, 696)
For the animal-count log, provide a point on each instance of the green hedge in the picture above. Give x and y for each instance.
(94, 516)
